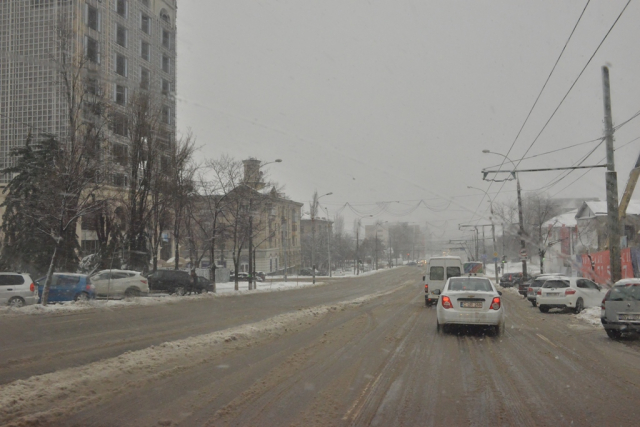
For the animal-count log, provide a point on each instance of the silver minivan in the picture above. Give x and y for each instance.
(17, 290)
(620, 310)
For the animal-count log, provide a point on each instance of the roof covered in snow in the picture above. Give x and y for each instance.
(568, 219)
(592, 209)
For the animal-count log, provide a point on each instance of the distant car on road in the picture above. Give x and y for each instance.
(509, 279)
(620, 309)
(171, 281)
(412, 263)
(67, 287)
(533, 286)
(469, 300)
(17, 290)
(119, 284)
(562, 292)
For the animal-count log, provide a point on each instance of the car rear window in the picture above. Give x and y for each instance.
(555, 284)
(68, 280)
(470, 284)
(453, 272)
(630, 292)
(11, 279)
(436, 273)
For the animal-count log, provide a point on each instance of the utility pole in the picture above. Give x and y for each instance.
(284, 245)
(521, 232)
(612, 185)
(251, 266)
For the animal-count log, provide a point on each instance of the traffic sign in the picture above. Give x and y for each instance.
(495, 254)
(523, 253)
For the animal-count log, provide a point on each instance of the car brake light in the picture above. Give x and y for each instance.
(570, 292)
(603, 300)
(426, 289)
(539, 292)
(89, 287)
(144, 281)
(32, 288)
(495, 304)
(530, 290)
(446, 302)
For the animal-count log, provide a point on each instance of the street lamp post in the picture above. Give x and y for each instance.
(523, 247)
(357, 268)
(493, 233)
(328, 241)
(314, 208)
(251, 250)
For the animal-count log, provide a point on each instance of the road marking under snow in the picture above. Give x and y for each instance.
(543, 338)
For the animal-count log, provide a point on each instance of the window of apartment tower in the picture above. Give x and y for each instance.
(145, 50)
(121, 7)
(120, 125)
(120, 153)
(145, 23)
(121, 65)
(121, 95)
(166, 115)
(145, 78)
(92, 49)
(120, 180)
(166, 64)
(92, 17)
(121, 35)
(166, 86)
(166, 39)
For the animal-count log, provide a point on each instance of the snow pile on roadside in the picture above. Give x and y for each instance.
(222, 290)
(590, 315)
(63, 388)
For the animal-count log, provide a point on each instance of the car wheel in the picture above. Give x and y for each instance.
(614, 334)
(82, 296)
(204, 291)
(16, 302)
(579, 306)
(180, 291)
(132, 292)
(534, 303)
(544, 309)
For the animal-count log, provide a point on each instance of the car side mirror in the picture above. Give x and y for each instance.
(436, 292)
(499, 292)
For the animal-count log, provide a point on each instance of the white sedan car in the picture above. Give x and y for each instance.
(470, 300)
(119, 284)
(575, 293)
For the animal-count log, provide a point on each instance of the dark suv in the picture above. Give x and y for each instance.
(510, 279)
(174, 282)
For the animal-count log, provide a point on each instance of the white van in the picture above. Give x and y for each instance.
(439, 269)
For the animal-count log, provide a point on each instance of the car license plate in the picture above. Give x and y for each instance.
(553, 294)
(471, 304)
(629, 316)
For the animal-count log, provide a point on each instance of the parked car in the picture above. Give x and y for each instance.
(575, 293)
(620, 309)
(204, 285)
(523, 284)
(171, 281)
(67, 287)
(242, 277)
(469, 300)
(508, 279)
(17, 290)
(119, 283)
(535, 284)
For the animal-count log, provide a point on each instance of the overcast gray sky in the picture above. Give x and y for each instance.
(395, 100)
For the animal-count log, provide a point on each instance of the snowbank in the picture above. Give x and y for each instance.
(222, 290)
(590, 315)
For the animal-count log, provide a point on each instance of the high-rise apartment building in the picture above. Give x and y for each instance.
(129, 46)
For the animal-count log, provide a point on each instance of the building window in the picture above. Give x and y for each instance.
(166, 39)
(166, 64)
(120, 153)
(121, 95)
(121, 65)
(121, 8)
(92, 17)
(165, 16)
(120, 125)
(166, 115)
(145, 78)
(166, 86)
(91, 86)
(121, 35)
(145, 51)
(120, 180)
(145, 23)
(92, 49)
